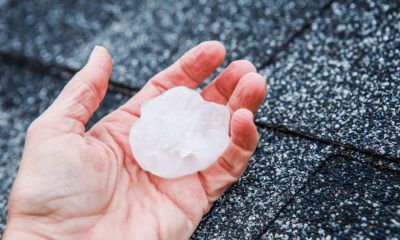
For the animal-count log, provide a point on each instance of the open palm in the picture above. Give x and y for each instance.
(77, 185)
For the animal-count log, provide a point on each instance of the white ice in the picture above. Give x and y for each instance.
(178, 133)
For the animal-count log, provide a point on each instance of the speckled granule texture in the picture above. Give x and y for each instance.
(50, 31)
(335, 84)
(278, 170)
(340, 80)
(346, 199)
(145, 37)
(24, 95)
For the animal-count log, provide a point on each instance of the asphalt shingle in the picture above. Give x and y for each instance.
(335, 82)
(346, 199)
(339, 80)
(145, 37)
(50, 31)
(280, 167)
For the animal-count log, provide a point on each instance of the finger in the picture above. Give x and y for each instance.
(190, 70)
(249, 93)
(221, 89)
(231, 165)
(81, 96)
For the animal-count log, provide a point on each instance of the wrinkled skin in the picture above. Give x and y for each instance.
(77, 185)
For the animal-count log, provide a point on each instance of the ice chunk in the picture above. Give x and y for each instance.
(178, 133)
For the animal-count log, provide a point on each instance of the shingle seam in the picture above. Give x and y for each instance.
(59, 71)
(335, 144)
(268, 61)
(307, 185)
(297, 193)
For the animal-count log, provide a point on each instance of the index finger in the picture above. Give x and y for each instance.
(189, 71)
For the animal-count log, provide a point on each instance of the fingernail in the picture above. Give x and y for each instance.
(93, 52)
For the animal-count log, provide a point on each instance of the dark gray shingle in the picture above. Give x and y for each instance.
(339, 81)
(346, 199)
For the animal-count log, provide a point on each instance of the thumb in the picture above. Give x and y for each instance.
(81, 96)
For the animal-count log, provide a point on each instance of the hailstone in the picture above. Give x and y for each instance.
(178, 133)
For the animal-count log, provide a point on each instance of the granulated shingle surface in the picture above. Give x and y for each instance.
(145, 37)
(49, 31)
(346, 199)
(339, 81)
(279, 168)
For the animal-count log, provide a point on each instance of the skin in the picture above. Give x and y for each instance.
(77, 185)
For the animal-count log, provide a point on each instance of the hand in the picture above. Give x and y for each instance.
(77, 185)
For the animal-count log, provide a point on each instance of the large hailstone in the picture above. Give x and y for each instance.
(179, 133)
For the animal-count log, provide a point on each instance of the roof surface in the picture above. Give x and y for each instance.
(327, 164)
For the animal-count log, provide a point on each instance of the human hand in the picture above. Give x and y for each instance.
(77, 185)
